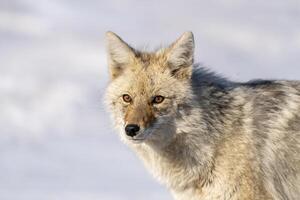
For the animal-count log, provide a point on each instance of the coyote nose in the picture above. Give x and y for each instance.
(132, 129)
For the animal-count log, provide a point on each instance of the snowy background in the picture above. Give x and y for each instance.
(56, 141)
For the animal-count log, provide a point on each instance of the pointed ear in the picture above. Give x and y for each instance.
(119, 54)
(181, 56)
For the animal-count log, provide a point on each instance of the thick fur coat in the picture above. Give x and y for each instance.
(204, 137)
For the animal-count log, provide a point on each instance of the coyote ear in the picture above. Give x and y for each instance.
(181, 56)
(119, 54)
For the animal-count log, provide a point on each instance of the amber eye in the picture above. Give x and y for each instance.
(127, 98)
(158, 99)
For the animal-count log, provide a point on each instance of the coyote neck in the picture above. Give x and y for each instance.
(178, 165)
(192, 164)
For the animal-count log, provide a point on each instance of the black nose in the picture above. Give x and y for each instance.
(132, 129)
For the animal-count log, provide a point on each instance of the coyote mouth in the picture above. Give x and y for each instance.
(137, 141)
(141, 137)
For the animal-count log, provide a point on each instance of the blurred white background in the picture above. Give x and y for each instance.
(56, 141)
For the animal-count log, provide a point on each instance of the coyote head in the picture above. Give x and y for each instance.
(147, 89)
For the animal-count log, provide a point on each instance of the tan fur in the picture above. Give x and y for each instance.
(142, 115)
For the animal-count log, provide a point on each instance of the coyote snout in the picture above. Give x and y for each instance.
(138, 118)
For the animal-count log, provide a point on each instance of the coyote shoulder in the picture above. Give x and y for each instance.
(204, 137)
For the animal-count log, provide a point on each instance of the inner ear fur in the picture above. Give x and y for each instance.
(119, 54)
(180, 56)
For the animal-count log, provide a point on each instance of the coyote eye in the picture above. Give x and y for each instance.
(127, 98)
(158, 99)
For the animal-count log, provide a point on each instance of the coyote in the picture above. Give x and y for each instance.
(201, 135)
